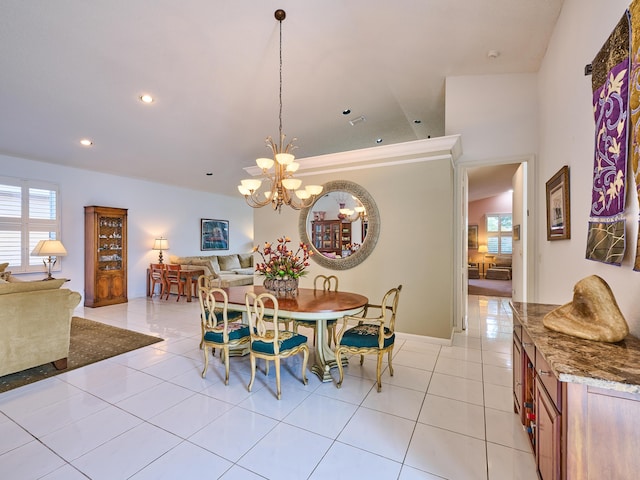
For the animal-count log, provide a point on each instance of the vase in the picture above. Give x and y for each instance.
(281, 287)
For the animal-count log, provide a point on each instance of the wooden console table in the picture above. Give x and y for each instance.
(578, 399)
(191, 278)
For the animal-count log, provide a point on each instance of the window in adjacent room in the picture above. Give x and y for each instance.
(29, 212)
(499, 233)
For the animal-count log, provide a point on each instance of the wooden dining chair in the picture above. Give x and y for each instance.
(205, 283)
(372, 335)
(156, 276)
(218, 330)
(321, 283)
(270, 343)
(172, 276)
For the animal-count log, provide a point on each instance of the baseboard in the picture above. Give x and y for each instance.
(426, 339)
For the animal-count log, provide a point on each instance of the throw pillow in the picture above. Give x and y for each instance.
(210, 266)
(244, 271)
(3, 266)
(229, 262)
(246, 260)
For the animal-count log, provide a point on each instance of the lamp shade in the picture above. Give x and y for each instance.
(49, 248)
(483, 249)
(161, 244)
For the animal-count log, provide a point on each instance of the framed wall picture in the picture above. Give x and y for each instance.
(558, 207)
(516, 233)
(214, 234)
(472, 241)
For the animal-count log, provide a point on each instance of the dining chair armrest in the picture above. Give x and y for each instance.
(356, 320)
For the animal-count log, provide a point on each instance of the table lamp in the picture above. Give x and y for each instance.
(49, 248)
(160, 244)
(483, 250)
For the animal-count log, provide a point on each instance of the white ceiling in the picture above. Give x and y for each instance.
(71, 69)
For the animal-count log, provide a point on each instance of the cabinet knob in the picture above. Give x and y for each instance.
(543, 372)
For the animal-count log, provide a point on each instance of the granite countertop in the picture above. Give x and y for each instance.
(614, 366)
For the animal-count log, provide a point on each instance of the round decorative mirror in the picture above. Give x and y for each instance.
(341, 226)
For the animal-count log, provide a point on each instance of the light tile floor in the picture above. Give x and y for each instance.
(446, 413)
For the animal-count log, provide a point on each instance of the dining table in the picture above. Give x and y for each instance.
(308, 304)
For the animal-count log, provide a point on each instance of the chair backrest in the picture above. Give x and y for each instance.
(263, 327)
(157, 271)
(172, 272)
(389, 307)
(327, 283)
(208, 281)
(213, 310)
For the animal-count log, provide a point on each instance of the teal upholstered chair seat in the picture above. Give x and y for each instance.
(235, 331)
(286, 341)
(366, 336)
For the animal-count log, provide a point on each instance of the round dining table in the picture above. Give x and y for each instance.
(308, 304)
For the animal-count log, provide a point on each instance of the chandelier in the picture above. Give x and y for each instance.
(278, 171)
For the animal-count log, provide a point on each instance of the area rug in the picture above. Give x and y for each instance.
(490, 288)
(90, 342)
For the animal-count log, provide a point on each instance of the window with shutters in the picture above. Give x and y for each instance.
(499, 233)
(29, 212)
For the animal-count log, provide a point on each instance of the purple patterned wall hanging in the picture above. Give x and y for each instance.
(610, 85)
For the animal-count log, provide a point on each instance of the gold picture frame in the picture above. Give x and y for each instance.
(558, 206)
(472, 240)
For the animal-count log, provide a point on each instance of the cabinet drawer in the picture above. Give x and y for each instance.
(529, 347)
(549, 380)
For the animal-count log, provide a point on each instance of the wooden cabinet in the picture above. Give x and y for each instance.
(105, 256)
(331, 236)
(537, 397)
(548, 434)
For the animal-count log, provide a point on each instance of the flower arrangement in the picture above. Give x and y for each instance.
(281, 262)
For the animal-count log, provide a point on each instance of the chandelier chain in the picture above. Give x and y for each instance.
(280, 114)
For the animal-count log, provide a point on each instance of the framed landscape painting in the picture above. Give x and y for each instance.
(558, 208)
(473, 237)
(214, 234)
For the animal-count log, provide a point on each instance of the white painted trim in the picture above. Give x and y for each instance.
(430, 149)
(447, 342)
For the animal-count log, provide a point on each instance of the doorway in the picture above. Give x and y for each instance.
(477, 179)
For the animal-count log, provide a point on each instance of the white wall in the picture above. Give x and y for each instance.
(415, 247)
(495, 114)
(154, 210)
(567, 138)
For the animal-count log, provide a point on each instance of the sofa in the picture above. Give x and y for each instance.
(499, 268)
(35, 321)
(233, 270)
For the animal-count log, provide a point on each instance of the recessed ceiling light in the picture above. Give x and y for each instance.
(493, 54)
(209, 174)
(417, 122)
(357, 120)
(346, 111)
(146, 98)
(378, 140)
(85, 142)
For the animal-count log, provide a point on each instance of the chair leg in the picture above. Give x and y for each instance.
(226, 364)
(252, 359)
(340, 368)
(206, 362)
(389, 355)
(305, 359)
(276, 360)
(361, 359)
(379, 371)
